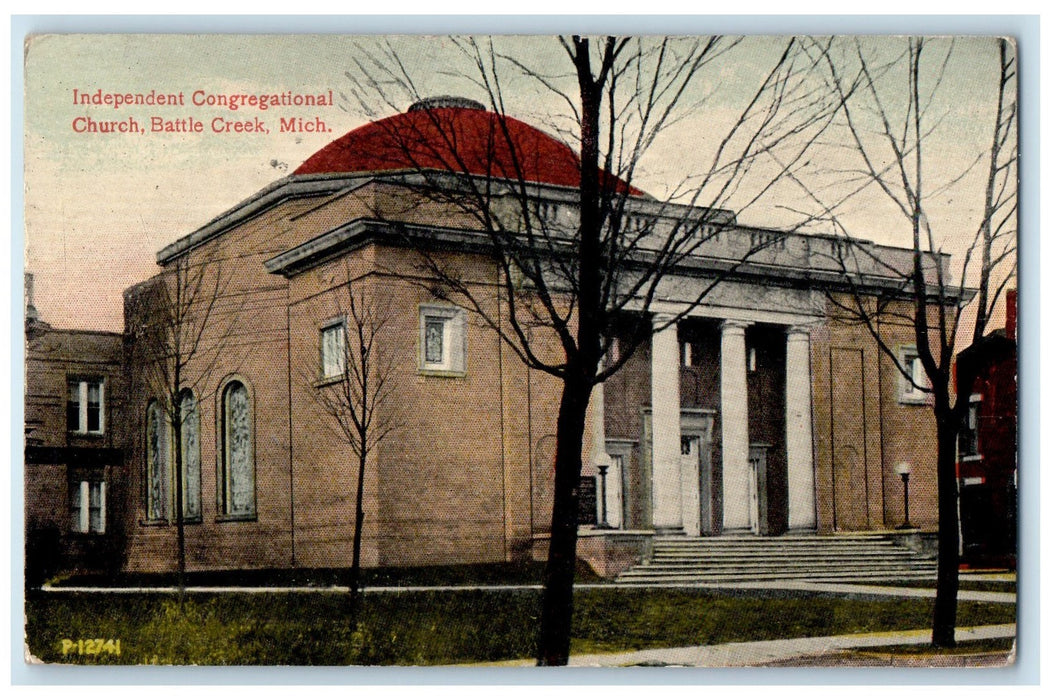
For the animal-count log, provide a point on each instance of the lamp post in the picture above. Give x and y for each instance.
(602, 508)
(903, 470)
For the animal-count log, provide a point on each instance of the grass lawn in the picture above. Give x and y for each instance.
(436, 627)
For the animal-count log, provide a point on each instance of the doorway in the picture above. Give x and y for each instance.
(696, 471)
(758, 496)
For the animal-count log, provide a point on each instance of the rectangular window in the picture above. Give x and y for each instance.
(443, 339)
(913, 385)
(94, 418)
(437, 344)
(333, 350)
(968, 445)
(85, 407)
(87, 506)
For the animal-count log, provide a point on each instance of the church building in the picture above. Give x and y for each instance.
(757, 410)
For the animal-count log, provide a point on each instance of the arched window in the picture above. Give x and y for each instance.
(157, 474)
(237, 485)
(191, 456)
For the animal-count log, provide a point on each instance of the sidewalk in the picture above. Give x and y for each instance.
(850, 589)
(762, 653)
(871, 590)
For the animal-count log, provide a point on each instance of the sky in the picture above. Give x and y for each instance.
(98, 206)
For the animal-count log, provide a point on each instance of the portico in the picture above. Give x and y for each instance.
(727, 436)
(683, 487)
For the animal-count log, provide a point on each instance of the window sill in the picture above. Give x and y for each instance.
(328, 381)
(83, 436)
(236, 518)
(432, 372)
(908, 400)
(971, 458)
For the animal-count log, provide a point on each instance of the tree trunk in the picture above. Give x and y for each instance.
(355, 562)
(944, 627)
(180, 529)
(556, 616)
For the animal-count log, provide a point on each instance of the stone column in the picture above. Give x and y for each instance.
(734, 414)
(664, 392)
(799, 440)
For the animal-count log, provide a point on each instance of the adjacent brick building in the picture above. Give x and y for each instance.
(988, 449)
(755, 411)
(73, 462)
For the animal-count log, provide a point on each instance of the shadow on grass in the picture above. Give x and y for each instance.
(511, 573)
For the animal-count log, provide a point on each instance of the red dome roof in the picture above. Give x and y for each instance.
(451, 135)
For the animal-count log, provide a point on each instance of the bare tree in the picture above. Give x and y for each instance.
(576, 280)
(892, 112)
(357, 380)
(179, 324)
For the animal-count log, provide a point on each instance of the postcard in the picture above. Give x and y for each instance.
(520, 350)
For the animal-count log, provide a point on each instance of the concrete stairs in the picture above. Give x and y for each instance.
(863, 557)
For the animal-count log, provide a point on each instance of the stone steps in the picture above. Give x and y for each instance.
(798, 565)
(744, 558)
(785, 551)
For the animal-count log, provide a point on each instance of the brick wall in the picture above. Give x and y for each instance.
(53, 356)
(454, 484)
(863, 430)
(246, 340)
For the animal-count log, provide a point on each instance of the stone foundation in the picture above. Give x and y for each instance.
(608, 552)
